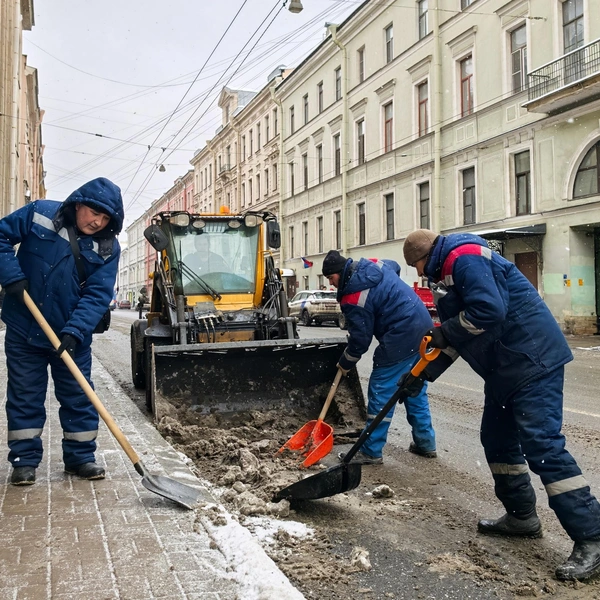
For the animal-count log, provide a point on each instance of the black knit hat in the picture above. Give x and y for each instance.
(333, 263)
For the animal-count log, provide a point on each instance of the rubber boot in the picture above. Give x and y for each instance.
(584, 562)
(23, 476)
(511, 526)
(87, 471)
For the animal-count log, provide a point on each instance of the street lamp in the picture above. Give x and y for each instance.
(295, 6)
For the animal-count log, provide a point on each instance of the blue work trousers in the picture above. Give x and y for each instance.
(27, 367)
(383, 383)
(525, 428)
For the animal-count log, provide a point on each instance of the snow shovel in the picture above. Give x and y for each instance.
(180, 493)
(315, 439)
(346, 476)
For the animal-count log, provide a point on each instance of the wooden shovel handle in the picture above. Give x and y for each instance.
(332, 391)
(85, 386)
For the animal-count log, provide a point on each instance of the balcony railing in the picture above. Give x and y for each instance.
(571, 68)
(224, 169)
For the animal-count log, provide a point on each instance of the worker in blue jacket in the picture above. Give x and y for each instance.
(496, 320)
(44, 265)
(376, 302)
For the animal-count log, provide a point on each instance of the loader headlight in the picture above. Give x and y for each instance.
(180, 219)
(252, 220)
(198, 224)
(234, 224)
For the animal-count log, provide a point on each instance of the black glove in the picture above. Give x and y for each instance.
(17, 288)
(68, 343)
(438, 339)
(438, 365)
(411, 385)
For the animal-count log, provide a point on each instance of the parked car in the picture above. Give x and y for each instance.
(124, 304)
(112, 305)
(315, 306)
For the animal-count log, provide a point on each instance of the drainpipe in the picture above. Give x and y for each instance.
(436, 221)
(238, 168)
(332, 29)
(14, 127)
(280, 177)
(214, 175)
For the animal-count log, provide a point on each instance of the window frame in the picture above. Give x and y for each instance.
(470, 80)
(337, 228)
(320, 97)
(319, 149)
(292, 116)
(388, 128)
(390, 216)
(360, 57)
(519, 175)
(423, 200)
(305, 171)
(594, 147)
(422, 18)
(338, 83)
(337, 154)
(389, 43)
(422, 109)
(361, 224)
(305, 114)
(466, 193)
(360, 141)
(521, 52)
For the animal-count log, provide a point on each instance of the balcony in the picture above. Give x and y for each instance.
(569, 81)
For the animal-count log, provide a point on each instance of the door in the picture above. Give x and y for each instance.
(597, 274)
(526, 262)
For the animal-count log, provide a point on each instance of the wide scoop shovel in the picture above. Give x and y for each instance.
(180, 493)
(315, 439)
(346, 476)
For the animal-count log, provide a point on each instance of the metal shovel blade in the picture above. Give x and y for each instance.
(178, 492)
(335, 480)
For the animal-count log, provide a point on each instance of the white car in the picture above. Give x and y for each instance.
(315, 306)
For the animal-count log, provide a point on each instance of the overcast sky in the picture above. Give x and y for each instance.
(120, 68)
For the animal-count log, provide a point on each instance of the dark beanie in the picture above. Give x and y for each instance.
(334, 262)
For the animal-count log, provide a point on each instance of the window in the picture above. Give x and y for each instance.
(362, 230)
(267, 132)
(320, 97)
(304, 238)
(320, 163)
(219, 163)
(468, 184)
(319, 234)
(292, 117)
(292, 186)
(388, 126)
(243, 147)
(275, 122)
(424, 222)
(338, 83)
(337, 154)
(291, 242)
(258, 188)
(423, 98)
(360, 59)
(337, 219)
(587, 180)
(465, 3)
(423, 18)
(249, 192)
(523, 183)
(266, 182)
(305, 171)
(258, 136)
(275, 183)
(572, 13)
(389, 44)
(251, 140)
(518, 53)
(205, 178)
(389, 216)
(360, 141)
(228, 157)
(305, 108)
(466, 86)
(306, 282)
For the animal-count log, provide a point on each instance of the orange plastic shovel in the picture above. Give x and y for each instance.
(315, 439)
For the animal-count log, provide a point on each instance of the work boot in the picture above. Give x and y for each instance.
(23, 476)
(86, 471)
(361, 458)
(426, 453)
(584, 562)
(511, 526)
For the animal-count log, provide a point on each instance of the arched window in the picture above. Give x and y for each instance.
(587, 180)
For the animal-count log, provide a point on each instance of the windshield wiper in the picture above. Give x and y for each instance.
(195, 277)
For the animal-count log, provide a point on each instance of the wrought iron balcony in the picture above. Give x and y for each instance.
(572, 79)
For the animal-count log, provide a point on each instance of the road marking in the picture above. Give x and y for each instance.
(581, 412)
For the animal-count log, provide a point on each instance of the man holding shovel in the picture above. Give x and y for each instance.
(496, 320)
(376, 302)
(45, 266)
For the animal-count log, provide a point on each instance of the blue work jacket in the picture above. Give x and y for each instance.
(45, 259)
(492, 315)
(376, 302)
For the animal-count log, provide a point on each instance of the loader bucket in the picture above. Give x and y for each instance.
(226, 381)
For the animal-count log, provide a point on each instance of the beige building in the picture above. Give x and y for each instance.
(457, 115)
(21, 149)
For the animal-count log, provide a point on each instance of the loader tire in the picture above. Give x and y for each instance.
(148, 376)
(138, 374)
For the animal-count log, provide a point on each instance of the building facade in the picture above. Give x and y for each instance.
(455, 115)
(21, 149)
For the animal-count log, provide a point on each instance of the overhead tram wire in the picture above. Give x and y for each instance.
(149, 178)
(189, 89)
